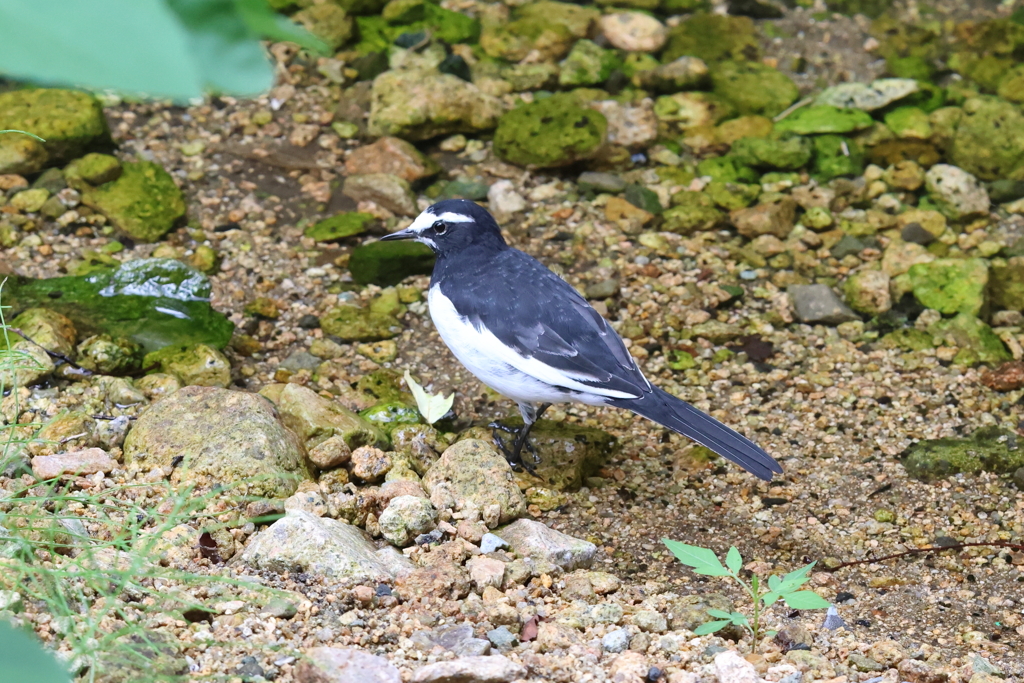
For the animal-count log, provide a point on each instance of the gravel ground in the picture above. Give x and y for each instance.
(836, 414)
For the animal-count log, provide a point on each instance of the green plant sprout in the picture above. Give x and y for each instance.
(431, 406)
(14, 363)
(31, 135)
(785, 588)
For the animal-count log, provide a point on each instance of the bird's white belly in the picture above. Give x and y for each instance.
(471, 346)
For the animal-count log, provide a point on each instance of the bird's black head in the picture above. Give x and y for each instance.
(451, 226)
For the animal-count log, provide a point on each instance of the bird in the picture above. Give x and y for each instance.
(529, 335)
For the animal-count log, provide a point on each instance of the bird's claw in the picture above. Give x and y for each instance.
(514, 455)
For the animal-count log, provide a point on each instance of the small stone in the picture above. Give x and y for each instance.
(731, 668)
(916, 671)
(951, 285)
(634, 126)
(533, 539)
(825, 119)
(650, 621)
(633, 31)
(392, 156)
(344, 665)
(631, 219)
(768, 218)
(600, 182)
(819, 304)
(683, 73)
(486, 571)
(405, 518)
(502, 638)
(602, 290)
(198, 365)
(83, 462)
(388, 191)
(868, 97)
(416, 104)
(489, 669)
(957, 193)
(615, 641)
(143, 202)
(369, 464)
(867, 291)
(29, 201)
(989, 449)
(1007, 377)
(472, 473)
(339, 226)
(504, 201)
(263, 307)
(489, 543)
(280, 608)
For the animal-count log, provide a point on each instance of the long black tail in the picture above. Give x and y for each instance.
(681, 417)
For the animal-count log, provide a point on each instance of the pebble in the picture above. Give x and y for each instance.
(504, 201)
(86, 461)
(405, 518)
(502, 638)
(480, 669)
(957, 192)
(533, 539)
(633, 31)
(615, 641)
(344, 665)
(486, 571)
(600, 182)
(490, 542)
(731, 668)
(385, 190)
(819, 304)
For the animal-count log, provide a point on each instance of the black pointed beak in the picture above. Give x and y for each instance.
(406, 234)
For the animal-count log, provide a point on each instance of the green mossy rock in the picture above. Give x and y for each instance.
(691, 212)
(825, 118)
(92, 169)
(951, 285)
(779, 151)
(328, 22)
(691, 109)
(909, 122)
(210, 437)
(68, 120)
(388, 263)
(376, 321)
(555, 131)
(152, 302)
(315, 419)
(713, 38)
(384, 386)
(989, 139)
(49, 329)
(547, 28)
(196, 365)
(731, 196)
(1007, 285)
(989, 449)
(1011, 86)
(754, 88)
(907, 338)
(108, 356)
(143, 202)
(835, 156)
(976, 340)
(339, 226)
(869, 8)
(587, 64)
(391, 415)
(727, 169)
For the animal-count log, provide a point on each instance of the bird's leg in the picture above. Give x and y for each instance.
(522, 437)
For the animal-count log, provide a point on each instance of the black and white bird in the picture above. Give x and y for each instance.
(527, 334)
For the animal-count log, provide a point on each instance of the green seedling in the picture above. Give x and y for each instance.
(785, 588)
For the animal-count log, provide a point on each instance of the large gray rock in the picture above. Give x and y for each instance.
(301, 542)
(420, 104)
(472, 474)
(819, 304)
(484, 669)
(539, 542)
(207, 436)
(344, 665)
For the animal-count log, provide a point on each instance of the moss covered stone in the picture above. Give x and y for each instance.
(68, 120)
(753, 87)
(731, 196)
(195, 365)
(391, 415)
(951, 285)
(691, 212)
(555, 131)
(106, 355)
(727, 169)
(989, 139)
(976, 340)
(92, 169)
(835, 156)
(713, 38)
(49, 329)
(388, 263)
(587, 64)
(547, 28)
(691, 109)
(824, 118)
(907, 338)
(328, 22)
(1007, 284)
(909, 122)
(779, 151)
(989, 449)
(378, 320)
(347, 224)
(143, 202)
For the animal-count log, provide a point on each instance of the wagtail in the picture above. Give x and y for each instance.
(527, 334)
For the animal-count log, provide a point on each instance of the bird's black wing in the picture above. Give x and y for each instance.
(533, 311)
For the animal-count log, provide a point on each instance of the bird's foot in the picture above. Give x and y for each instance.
(514, 455)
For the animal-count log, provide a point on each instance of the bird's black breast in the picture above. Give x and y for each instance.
(532, 310)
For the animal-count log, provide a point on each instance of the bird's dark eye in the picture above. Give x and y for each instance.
(439, 228)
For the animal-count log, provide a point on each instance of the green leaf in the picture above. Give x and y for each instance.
(774, 581)
(739, 619)
(710, 627)
(733, 560)
(806, 600)
(701, 560)
(179, 49)
(431, 406)
(768, 599)
(793, 580)
(721, 614)
(25, 659)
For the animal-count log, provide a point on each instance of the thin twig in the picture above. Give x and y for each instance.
(793, 108)
(930, 549)
(52, 354)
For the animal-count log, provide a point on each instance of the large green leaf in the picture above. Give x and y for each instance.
(710, 627)
(179, 49)
(25, 659)
(806, 600)
(701, 560)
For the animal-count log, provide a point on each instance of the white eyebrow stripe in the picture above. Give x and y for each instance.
(452, 217)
